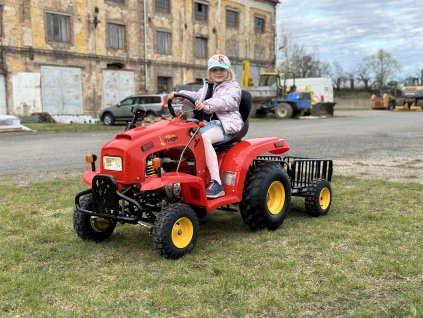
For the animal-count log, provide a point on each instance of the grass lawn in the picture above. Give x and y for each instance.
(362, 260)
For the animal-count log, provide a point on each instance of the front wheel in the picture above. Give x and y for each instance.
(283, 111)
(266, 197)
(318, 197)
(91, 228)
(175, 231)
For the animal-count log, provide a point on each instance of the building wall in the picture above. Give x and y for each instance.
(26, 50)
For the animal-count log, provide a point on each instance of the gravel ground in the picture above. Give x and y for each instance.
(365, 144)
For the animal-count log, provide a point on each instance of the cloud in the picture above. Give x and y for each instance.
(348, 31)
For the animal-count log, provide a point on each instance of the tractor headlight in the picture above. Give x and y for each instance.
(112, 163)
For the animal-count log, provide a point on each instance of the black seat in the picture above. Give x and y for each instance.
(244, 109)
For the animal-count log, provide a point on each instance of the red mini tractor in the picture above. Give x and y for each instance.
(156, 176)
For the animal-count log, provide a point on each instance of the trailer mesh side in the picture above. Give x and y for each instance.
(301, 171)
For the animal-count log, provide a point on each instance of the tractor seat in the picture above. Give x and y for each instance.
(244, 109)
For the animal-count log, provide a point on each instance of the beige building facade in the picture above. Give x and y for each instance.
(77, 57)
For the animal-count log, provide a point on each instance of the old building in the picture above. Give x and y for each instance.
(77, 57)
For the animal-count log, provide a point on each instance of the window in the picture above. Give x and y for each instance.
(201, 11)
(115, 36)
(162, 6)
(232, 48)
(164, 84)
(259, 24)
(58, 27)
(200, 47)
(163, 42)
(232, 18)
(117, 1)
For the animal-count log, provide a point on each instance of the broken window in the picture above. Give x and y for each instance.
(115, 36)
(201, 11)
(58, 29)
(258, 24)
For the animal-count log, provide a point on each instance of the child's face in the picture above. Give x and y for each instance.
(219, 74)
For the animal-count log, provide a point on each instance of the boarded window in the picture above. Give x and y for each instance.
(201, 11)
(115, 36)
(232, 18)
(163, 40)
(200, 47)
(258, 24)
(162, 6)
(58, 28)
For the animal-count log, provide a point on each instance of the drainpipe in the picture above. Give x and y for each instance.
(145, 46)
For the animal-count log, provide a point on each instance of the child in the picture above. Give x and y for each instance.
(223, 106)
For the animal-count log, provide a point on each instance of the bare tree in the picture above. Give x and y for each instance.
(340, 77)
(296, 59)
(363, 75)
(382, 65)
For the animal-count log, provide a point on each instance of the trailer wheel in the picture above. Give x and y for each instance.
(283, 111)
(175, 231)
(318, 197)
(266, 197)
(91, 228)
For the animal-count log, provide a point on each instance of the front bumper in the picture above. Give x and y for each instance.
(106, 199)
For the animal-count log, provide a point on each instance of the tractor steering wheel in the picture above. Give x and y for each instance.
(170, 107)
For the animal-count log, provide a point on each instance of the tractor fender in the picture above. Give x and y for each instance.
(237, 161)
(193, 189)
(89, 176)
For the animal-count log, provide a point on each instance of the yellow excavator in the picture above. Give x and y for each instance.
(412, 98)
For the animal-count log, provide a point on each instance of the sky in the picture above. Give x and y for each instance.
(347, 31)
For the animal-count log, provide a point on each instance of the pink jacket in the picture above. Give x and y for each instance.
(224, 103)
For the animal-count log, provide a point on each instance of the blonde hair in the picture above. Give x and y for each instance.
(231, 75)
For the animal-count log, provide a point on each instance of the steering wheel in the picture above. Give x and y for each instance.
(170, 107)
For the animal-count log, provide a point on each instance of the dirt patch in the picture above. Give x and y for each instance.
(400, 170)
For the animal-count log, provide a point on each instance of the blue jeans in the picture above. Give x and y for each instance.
(215, 124)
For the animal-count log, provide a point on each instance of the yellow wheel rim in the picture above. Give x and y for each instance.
(275, 197)
(99, 224)
(324, 198)
(182, 232)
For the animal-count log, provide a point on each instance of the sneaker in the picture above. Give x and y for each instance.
(214, 190)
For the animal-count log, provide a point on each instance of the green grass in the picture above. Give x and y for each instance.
(362, 260)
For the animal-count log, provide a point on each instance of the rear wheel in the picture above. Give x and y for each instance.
(91, 228)
(175, 231)
(108, 119)
(283, 111)
(266, 197)
(318, 197)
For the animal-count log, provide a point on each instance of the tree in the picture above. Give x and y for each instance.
(363, 75)
(382, 65)
(296, 59)
(340, 77)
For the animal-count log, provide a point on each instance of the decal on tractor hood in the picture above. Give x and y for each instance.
(167, 139)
